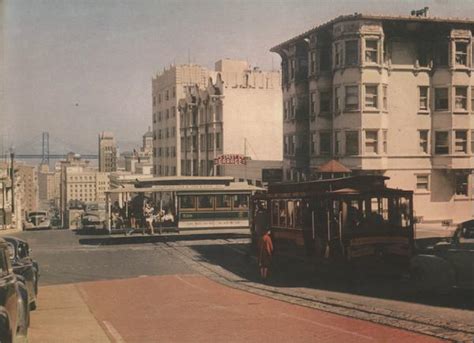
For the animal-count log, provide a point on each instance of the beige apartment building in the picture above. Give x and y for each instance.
(48, 186)
(167, 88)
(27, 182)
(238, 112)
(386, 95)
(107, 152)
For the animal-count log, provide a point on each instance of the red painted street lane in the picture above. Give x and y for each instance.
(191, 308)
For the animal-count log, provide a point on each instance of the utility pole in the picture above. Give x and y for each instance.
(12, 177)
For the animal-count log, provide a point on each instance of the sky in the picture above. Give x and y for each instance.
(78, 67)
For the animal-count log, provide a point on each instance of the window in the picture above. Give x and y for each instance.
(173, 111)
(371, 142)
(441, 99)
(167, 114)
(441, 142)
(285, 110)
(240, 201)
(313, 144)
(371, 97)
(460, 102)
(223, 201)
(423, 182)
(460, 143)
(423, 141)
(371, 51)
(186, 201)
(423, 90)
(385, 97)
(352, 143)
(167, 97)
(352, 98)
(461, 53)
(461, 183)
(313, 104)
(337, 100)
(285, 145)
(325, 59)
(324, 102)
(337, 143)
(292, 68)
(337, 54)
(205, 202)
(352, 52)
(174, 92)
(218, 140)
(442, 54)
(324, 143)
(159, 116)
(159, 98)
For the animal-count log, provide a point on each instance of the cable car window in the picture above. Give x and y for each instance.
(223, 201)
(291, 214)
(283, 213)
(205, 202)
(241, 201)
(275, 213)
(187, 202)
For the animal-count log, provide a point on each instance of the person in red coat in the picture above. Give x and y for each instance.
(265, 254)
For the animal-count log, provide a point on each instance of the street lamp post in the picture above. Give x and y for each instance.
(12, 177)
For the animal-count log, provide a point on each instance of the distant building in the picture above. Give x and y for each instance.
(27, 180)
(48, 191)
(141, 161)
(107, 152)
(239, 111)
(233, 109)
(385, 95)
(167, 88)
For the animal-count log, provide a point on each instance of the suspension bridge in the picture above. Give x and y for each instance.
(44, 155)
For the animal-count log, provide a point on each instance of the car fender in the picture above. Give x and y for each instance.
(4, 321)
(432, 271)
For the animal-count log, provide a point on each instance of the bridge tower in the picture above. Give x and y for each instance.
(45, 154)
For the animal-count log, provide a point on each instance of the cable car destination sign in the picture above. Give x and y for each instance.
(230, 159)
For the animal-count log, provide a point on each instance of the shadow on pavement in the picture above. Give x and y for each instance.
(296, 273)
(137, 238)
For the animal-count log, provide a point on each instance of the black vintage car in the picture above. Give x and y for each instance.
(26, 268)
(14, 311)
(447, 264)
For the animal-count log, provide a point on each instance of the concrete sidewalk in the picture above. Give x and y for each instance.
(63, 316)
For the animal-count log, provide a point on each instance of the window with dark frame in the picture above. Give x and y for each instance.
(352, 142)
(461, 183)
(385, 97)
(351, 52)
(441, 142)
(371, 50)
(461, 53)
(351, 98)
(313, 99)
(337, 100)
(325, 143)
(324, 102)
(441, 99)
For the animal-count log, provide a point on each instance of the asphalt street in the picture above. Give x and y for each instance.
(102, 267)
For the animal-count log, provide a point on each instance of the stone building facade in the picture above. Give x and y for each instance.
(237, 112)
(385, 95)
(107, 152)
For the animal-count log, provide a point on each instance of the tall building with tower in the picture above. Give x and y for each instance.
(107, 152)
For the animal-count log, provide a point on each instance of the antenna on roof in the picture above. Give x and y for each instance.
(420, 13)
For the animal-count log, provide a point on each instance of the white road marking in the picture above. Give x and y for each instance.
(335, 328)
(113, 332)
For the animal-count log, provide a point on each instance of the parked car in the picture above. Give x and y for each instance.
(25, 267)
(94, 217)
(38, 220)
(14, 311)
(447, 264)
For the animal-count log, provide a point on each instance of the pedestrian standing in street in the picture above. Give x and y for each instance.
(265, 254)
